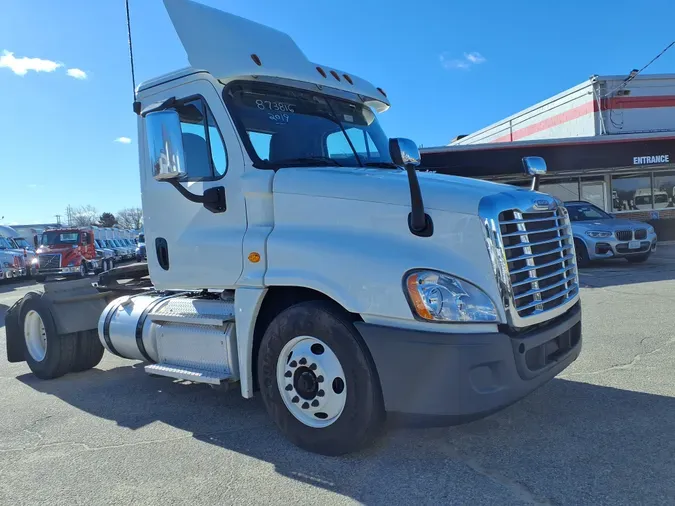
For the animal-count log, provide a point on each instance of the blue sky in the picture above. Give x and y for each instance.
(448, 67)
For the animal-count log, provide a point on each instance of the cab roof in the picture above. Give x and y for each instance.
(230, 47)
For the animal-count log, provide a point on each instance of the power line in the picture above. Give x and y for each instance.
(636, 73)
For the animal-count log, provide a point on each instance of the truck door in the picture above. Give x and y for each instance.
(189, 246)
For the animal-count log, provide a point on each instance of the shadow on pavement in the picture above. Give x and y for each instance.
(567, 443)
(659, 267)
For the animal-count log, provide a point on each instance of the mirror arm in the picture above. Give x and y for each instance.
(213, 198)
(419, 221)
(535, 183)
(169, 103)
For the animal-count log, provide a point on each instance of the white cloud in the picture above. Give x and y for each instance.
(21, 66)
(472, 58)
(77, 73)
(123, 140)
(475, 57)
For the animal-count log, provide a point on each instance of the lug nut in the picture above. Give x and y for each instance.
(293, 363)
(288, 374)
(302, 361)
(321, 393)
(320, 379)
(295, 399)
(305, 405)
(313, 367)
(315, 403)
(289, 388)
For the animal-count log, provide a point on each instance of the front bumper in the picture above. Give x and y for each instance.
(610, 247)
(62, 271)
(455, 378)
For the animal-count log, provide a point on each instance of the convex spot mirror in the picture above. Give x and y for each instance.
(165, 145)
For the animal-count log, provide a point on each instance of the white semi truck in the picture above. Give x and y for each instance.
(296, 253)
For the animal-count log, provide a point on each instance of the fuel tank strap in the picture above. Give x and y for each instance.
(141, 323)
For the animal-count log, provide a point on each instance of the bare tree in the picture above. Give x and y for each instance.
(83, 216)
(131, 217)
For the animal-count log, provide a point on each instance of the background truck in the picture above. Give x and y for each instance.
(12, 259)
(106, 254)
(332, 279)
(23, 245)
(67, 252)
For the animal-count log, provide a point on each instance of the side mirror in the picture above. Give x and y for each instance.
(535, 166)
(165, 145)
(404, 152)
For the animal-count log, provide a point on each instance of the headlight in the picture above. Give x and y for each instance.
(7, 264)
(34, 261)
(440, 297)
(650, 229)
(598, 233)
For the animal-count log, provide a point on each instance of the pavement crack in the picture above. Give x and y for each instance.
(516, 488)
(628, 365)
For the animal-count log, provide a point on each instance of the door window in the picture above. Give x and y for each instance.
(205, 154)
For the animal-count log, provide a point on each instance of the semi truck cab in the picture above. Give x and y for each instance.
(67, 252)
(295, 252)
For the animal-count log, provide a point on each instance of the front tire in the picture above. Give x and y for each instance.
(318, 381)
(48, 354)
(583, 259)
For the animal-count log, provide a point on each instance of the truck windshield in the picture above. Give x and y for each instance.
(55, 238)
(22, 243)
(4, 243)
(284, 127)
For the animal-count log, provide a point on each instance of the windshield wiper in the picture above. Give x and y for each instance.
(384, 165)
(311, 160)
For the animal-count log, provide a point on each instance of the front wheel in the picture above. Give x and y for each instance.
(318, 381)
(582, 254)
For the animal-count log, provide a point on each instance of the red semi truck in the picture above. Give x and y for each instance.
(67, 252)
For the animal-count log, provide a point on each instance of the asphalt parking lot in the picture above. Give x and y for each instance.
(603, 432)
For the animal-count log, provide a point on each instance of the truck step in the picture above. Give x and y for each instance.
(187, 373)
(194, 312)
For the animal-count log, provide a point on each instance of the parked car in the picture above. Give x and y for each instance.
(599, 235)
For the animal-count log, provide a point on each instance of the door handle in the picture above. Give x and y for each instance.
(162, 250)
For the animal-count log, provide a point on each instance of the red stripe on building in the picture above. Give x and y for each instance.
(614, 103)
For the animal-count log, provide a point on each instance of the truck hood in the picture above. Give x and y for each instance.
(389, 186)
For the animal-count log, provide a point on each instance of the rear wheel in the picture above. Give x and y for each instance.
(89, 351)
(48, 354)
(636, 259)
(582, 254)
(318, 381)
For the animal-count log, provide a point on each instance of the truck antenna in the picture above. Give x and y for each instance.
(137, 104)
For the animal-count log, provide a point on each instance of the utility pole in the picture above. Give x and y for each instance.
(58, 219)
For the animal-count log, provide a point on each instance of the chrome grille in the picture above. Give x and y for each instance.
(624, 235)
(49, 261)
(538, 249)
(641, 233)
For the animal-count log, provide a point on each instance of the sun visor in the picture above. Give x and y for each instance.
(229, 46)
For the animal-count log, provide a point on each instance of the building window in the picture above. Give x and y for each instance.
(564, 189)
(594, 190)
(664, 189)
(631, 192)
